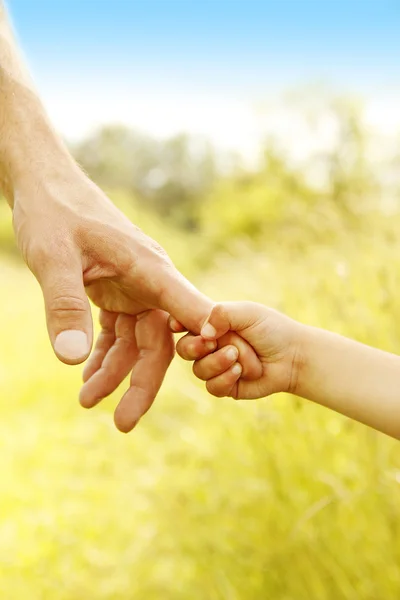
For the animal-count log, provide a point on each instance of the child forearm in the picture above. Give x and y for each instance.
(356, 380)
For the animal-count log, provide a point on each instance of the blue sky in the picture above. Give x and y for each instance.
(240, 41)
(96, 52)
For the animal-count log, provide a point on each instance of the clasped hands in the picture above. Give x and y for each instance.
(79, 245)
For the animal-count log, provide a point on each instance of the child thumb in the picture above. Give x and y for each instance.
(226, 316)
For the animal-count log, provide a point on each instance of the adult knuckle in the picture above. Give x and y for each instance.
(67, 303)
(35, 254)
(45, 252)
(124, 260)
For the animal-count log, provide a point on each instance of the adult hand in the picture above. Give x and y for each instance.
(73, 237)
(75, 241)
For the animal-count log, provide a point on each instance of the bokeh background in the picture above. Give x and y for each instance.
(258, 142)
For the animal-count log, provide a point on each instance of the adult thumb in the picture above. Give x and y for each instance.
(68, 314)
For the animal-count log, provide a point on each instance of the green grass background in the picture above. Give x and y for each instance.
(207, 498)
(211, 499)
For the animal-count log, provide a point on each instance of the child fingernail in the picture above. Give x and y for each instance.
(237, 369)
(232, 353)
(209, 345)
(208, 331)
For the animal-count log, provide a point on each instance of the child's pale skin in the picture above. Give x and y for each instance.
(351, 378)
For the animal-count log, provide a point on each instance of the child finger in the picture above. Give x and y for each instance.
(216, 363)
(194, 347)
(251, 365)
(223, 385)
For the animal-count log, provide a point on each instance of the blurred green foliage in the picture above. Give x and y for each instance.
(169, 176)
(211, 499)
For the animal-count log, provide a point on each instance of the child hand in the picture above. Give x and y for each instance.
(231, 347)
(275, 338)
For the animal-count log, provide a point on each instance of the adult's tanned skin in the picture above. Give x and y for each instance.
(78, 244)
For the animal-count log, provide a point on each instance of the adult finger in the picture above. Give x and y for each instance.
(103, 344)
(155, 351)
(116, 364)
(68, 314)
(182, 300)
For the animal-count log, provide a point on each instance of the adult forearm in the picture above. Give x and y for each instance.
(351, 378)
(29, 146)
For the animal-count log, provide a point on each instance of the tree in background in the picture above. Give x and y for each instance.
(171, 175)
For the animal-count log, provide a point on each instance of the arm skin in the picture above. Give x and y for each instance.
(351, 378)
(78, 244)
(346, 376)
(28, 144)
